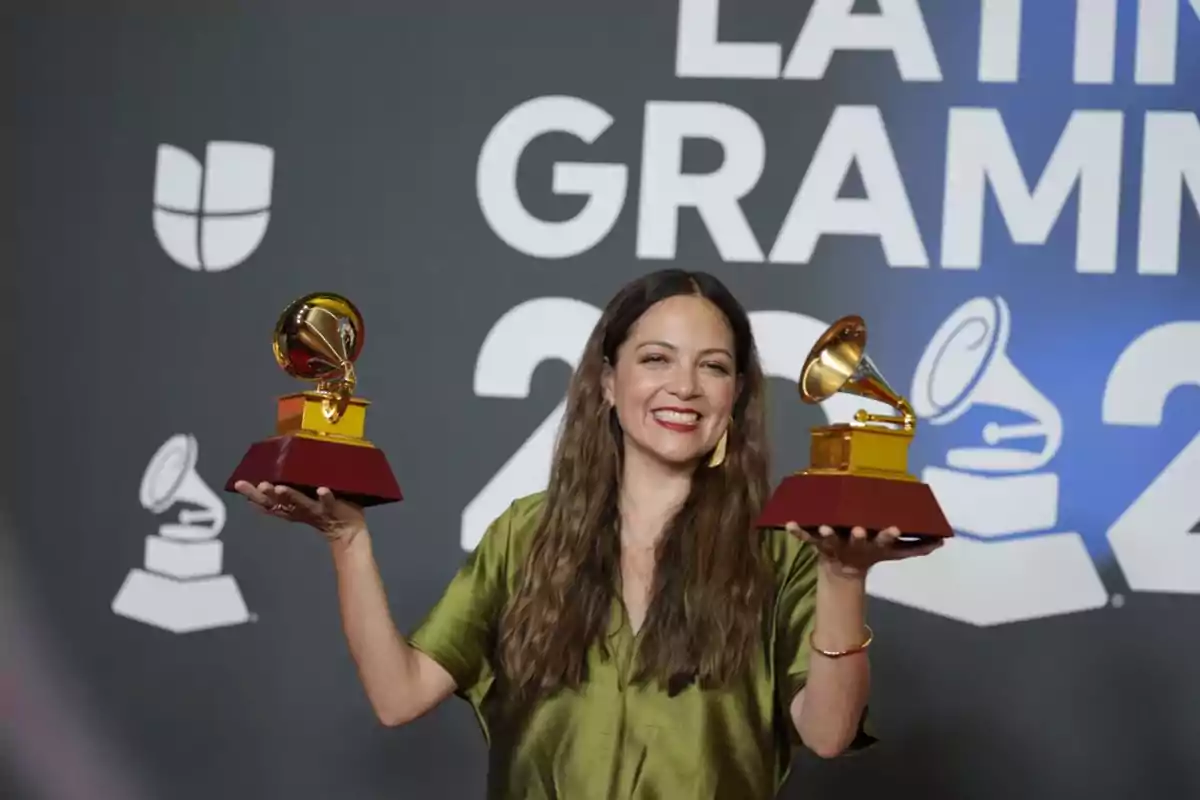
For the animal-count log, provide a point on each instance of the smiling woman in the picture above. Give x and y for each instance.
(628, 632)
(668, 378)
(676, 375)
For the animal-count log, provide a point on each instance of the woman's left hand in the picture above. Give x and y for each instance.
(857, 553)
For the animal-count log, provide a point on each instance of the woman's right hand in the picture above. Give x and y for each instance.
(339, 521)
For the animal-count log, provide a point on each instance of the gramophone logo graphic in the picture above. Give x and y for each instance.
(180, 587)
(1011, 562)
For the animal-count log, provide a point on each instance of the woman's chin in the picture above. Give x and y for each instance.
(681, 459)
(676, 460)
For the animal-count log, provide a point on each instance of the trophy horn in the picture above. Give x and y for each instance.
(318, 337)
(838, 363)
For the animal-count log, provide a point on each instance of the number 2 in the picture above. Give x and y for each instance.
(528, 334)
(1151, 540)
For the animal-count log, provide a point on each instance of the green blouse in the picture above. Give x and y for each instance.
(611, 739)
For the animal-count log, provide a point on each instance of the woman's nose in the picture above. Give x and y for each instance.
(683, 383)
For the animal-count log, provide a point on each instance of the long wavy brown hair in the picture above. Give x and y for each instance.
(705, 614)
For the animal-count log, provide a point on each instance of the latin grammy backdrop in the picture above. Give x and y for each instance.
(1005, 193)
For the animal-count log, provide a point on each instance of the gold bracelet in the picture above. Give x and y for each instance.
(840, 653)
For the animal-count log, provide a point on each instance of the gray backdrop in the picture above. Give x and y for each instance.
(1012, 669)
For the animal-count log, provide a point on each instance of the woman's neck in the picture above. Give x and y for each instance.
(651, 492)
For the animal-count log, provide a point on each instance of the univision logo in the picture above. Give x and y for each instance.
(211, 217)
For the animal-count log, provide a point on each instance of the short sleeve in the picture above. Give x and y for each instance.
(795, 620)
(459, 631)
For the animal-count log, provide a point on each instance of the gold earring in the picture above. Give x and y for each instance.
(718, 454)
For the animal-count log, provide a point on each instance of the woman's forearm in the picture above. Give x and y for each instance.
(401, 683)
(828, 711)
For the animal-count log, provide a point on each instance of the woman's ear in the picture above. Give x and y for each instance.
(607, 379)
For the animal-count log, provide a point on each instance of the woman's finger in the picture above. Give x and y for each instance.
(858, 533)
(286, 494)
(795, 530)
(326, 500)
(252, 493)
(888, 536)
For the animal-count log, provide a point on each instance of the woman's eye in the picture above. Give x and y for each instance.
(718, 367)
(653, 358)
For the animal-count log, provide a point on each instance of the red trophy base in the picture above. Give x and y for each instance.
(354, 472)
(846, 501)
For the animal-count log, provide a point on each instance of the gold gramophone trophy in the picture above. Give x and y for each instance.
(858, 476)
(319, 433)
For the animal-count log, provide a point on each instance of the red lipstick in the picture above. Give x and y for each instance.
(676, 425)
